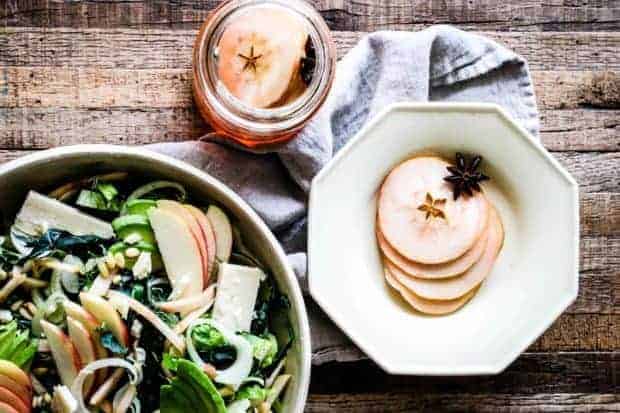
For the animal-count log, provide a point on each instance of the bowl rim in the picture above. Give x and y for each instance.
(57, 154)
(462, 370)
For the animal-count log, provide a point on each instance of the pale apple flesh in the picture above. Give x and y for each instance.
(223, 232)
(209, 236)
(179, 251)
(10, 398)
(65, 355)
(105, 313)
(84, 344)
(78, 313)
(194, 226)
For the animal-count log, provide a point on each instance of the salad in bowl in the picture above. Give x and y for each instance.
(119, 294)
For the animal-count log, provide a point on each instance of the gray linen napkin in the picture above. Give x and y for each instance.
(437, 64)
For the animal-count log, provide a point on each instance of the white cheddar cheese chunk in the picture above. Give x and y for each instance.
(237, 289)
(44, 212)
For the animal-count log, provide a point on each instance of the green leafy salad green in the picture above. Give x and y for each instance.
(119, 295)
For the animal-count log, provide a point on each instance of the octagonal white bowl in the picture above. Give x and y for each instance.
(533, 281)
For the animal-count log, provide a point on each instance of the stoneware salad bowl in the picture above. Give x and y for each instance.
(534, 279)
(47, 170)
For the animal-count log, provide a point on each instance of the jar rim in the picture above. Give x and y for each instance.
(261, 122)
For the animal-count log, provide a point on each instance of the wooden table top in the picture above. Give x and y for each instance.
(119, 72)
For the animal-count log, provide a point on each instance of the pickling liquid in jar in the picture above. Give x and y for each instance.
(262, 69)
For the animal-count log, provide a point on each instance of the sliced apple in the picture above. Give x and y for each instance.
(194, 227)
(105, 313)
(24, 393)
(64, 353)
(85, 346)
(12, 371)
(10, 398)
(77, 312)
(179, 251)
(6, 408)
(209, 236)
(223, 232)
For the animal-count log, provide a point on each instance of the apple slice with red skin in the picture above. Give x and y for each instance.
(194, 226)
(223, 232)
(83, 342)
(77, 312)
(6, 408)
(23, 392)
(180, 252)
(65, 355)
(209, 236)
(12, 399)
(12, 371)
(105, 313)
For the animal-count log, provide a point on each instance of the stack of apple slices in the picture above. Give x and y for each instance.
(15, 389)
(190, 242)
(436, 250)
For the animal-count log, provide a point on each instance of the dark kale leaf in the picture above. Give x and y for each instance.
(220, 357)
(54, 240)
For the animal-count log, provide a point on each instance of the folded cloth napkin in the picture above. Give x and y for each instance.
(437, 64)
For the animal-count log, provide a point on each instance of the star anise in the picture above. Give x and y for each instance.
(251, 61)
(431, 207)
(464, 178)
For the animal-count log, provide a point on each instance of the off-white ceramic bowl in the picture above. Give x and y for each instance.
(47, 169)
(533, 281)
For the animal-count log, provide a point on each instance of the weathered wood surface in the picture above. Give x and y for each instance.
(368, 15)
(119, 71)
(133, 49)
(464, 402)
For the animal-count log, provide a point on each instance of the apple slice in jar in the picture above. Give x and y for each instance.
(259, 55)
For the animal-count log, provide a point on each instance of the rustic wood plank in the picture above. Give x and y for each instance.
(41, 127)
(94, 87)
(531, 373)
(388, 402)
(367, 15)
(134, 49)
(595, 172)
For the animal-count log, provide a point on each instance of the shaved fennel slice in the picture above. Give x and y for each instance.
(149, 315)
(240, 369)
(77, 389)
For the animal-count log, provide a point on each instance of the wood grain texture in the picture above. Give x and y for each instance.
(94, 87)
(464, 402)
(369, 15)
(532, 373)
(133, 49)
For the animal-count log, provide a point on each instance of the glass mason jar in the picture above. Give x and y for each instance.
(253, 79)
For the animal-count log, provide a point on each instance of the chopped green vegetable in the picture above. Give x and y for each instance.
(207, 338)
(107, 190)
(138, 206)
(254, 393)
(53, 240)
(16, 345)
(264, 348)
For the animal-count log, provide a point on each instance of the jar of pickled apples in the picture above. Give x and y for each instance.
(262, 68)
